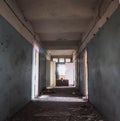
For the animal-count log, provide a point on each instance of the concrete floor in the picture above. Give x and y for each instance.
(51, 107)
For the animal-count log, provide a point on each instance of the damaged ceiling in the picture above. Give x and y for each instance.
(59, 20)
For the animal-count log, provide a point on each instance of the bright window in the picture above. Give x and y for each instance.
(55, 60)
(61, 60)
(68, 60)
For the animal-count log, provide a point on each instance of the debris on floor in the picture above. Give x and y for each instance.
(47, 91)
(73, 93)
(53, 114)
(49, 111)
(58, 111)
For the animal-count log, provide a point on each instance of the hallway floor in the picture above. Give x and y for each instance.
(59, 104)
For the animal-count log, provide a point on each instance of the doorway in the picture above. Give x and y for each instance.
(64, 74)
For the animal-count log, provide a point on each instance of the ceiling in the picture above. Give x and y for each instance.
(59, 20)
(61, 52)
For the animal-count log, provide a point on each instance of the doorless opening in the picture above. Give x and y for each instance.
(64, 74)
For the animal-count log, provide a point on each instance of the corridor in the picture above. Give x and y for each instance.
(67, 109)
(59, 60)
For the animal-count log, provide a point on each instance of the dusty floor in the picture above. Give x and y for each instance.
(51, 107)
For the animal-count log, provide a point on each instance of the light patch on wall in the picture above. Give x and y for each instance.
(35, 72)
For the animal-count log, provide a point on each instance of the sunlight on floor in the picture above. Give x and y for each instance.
(58, 99)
